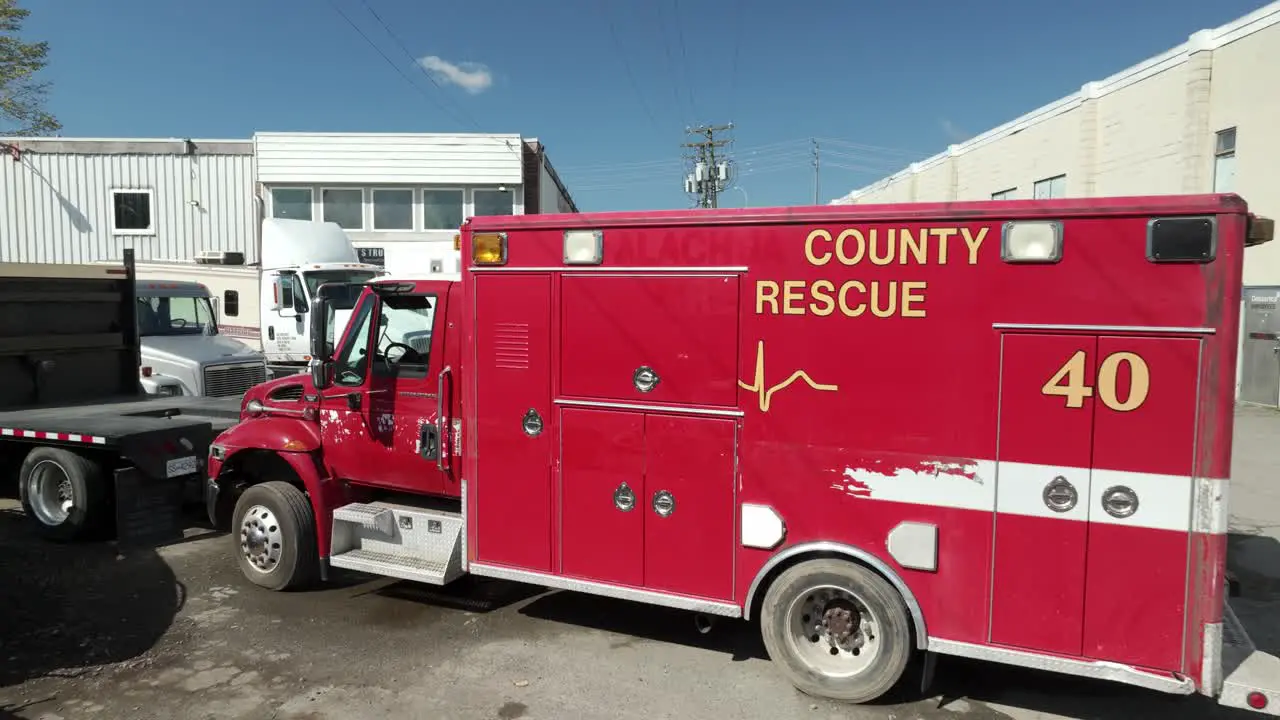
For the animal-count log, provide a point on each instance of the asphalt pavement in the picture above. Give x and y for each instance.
(177, 633)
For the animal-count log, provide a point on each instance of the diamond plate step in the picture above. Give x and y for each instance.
(370, 517)
(398, 541)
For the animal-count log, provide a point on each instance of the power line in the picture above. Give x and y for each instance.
(733, 67)
(467, 119)
(626, 66)
(389, 61)
(684, 56)
(671, 63)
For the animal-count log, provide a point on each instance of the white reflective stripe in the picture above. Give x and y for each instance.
(41, 435)
(1164, 502)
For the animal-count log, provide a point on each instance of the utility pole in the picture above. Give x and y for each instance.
(817, 172)
(709, 175)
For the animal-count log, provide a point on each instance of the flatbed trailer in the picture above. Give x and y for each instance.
(89, 449)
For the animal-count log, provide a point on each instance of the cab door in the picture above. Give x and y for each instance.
(385, 394)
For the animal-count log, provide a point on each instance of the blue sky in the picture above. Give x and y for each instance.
(607, 85)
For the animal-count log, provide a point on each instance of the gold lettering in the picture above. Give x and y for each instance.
(862, 247)
(888, 246)
(909, 298)
(877, 291)
(974, 243)
(808, 247)
(944, 235)
(856, 310)
(792, 297)
(908, 243)
(823, 304)
(766, 292)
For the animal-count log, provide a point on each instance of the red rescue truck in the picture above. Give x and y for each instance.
(997, 430)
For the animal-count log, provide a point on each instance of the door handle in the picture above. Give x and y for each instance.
(442, 426)
(353, 401)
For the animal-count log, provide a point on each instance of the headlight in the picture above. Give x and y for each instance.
(169, 390)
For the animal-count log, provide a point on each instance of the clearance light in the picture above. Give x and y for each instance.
(489, 249)
(1033, 241)
(583, 247)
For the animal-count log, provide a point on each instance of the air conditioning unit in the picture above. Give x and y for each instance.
(220, 257)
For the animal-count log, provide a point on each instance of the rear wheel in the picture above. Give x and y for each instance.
(274, 531)
(837, 630)
(65, 494)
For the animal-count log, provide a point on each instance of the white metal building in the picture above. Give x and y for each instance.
(81, 200)
(1202, 117)
(401, 197)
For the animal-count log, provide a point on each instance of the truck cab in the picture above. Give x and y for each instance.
(182, 351)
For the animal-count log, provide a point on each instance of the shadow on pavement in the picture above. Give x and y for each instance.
(735, 638)
(71, 606)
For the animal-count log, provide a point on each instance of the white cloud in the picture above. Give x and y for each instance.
(953, 132)
(473, 77)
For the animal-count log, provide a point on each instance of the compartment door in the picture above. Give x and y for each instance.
(1144, 440)
(689, 505)
(650, 338)
(602, 510)
(513, 381)
(1042, 491)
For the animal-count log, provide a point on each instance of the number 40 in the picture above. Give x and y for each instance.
(1069, 383)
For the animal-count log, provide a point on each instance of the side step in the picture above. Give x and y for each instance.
(398, 541)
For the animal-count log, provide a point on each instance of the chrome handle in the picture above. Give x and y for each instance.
(664, 503)
(1120, 501)
(623, 498)
(441, 426)
(1060, 495)
(645, 379)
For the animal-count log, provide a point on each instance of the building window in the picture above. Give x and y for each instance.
(1004, 194)
(344, 206)
(131, 212)
(494, 202)
(1054, 187)
(393, 209)
(1224, 161)
(441, 209)
(231, 303)
(291, 203)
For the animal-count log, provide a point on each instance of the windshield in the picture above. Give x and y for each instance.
(319, 277)
(166, 316)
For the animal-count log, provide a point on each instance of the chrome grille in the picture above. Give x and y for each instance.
(232, 379)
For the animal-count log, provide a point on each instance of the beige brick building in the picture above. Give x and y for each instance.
(1202, 117)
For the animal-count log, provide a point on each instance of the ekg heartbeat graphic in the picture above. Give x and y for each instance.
(765, 394)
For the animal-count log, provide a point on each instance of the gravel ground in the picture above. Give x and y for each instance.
(176, 633)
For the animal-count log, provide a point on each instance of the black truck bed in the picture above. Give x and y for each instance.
(108, 422)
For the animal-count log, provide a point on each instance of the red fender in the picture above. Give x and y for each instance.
(272, 433)
(296, 442)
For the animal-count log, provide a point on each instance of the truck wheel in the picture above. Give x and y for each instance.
(837, 630)
(274, 531)
(64, 493)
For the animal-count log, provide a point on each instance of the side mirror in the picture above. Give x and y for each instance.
(276, 290)
(320, 349)
(214, 302)
(321, 373)
(299, 304)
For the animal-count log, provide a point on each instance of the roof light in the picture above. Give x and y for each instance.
(1031, 241)
(583, 247)
(489, 249)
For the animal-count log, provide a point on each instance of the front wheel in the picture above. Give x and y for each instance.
(274, 532)
(837, 630)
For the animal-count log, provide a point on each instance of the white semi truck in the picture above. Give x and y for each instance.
(265, 306)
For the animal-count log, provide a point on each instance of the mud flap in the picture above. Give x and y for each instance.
(148, 509)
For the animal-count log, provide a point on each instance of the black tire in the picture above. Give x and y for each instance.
(291, 521)
(892, 630)
(91, 512)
